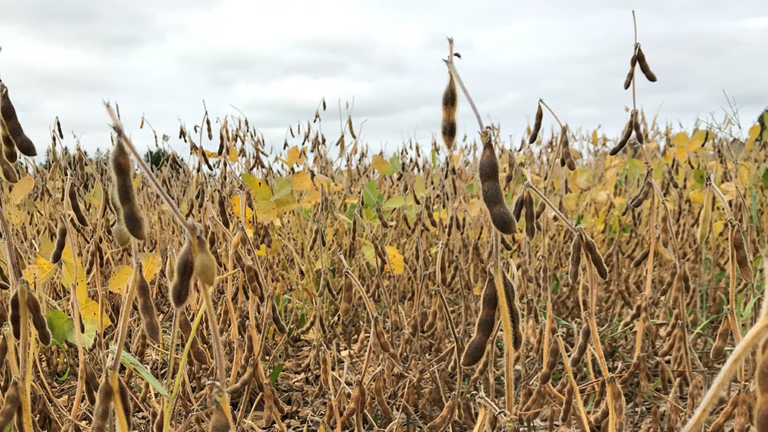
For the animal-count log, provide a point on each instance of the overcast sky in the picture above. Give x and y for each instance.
(275, 60)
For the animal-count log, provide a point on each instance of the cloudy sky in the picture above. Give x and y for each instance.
(275, 61)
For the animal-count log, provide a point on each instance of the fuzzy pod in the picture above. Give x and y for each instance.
(643, 62)
(450, 103)
(510, 295)
(567, 158)
(380, 215)
(619, 405)
(9, 148)
(742, 257)
(596, 258)
(475, 350)
(719, 424)
(443, 420)
(103, 407)
(195, 351)
(61, 241)
(205, 263)
(637, 262)
(530, 216)
(671, 177)
(517, 206)
(16, 315)
(565, 411)
(223, 210)
(631, 73)
(125, 401)
(381, 400)
(664, 230)
(185, 266)
(279, 326)
(575, 260)
(219, 421)
(10, 406)
(581, 347)
(381, 336)
(624, 136)
(536, 126)
(147, 308)
(11, 124)
(638, 131)
(81, 219)
(8, 170)
(705, 219)
(3, 349)
(546, 373)
(38, 319)
(91, 383)
(492, 195)
(122, 174)
(347, 294)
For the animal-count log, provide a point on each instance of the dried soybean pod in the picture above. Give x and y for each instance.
(643, 62)
(664, 231)
(205, 263)
(279, 326)
(581, 348)
(11, 124)
(631, 73)
(381, 337)
(742, 257)
(492, 196)
(504, 242)
(76, 206)
(671, 177)
(546, 373)
(575, 261)
(380, 215)
(761, 389)
(91, 383)
(705, 220)
(484, 326)
(726, 414)
(185, 266)
(530, 221)
(122, 173)
(722, 336)
(514, 310)
(619, 404)
(38, 319)
(565, 412)
(3, 349)
(103, 407)
(9, 148)
(624, 136)
(637, 262)
(125, 401)
(219, 421)
(595, 257)
(517, 207)
(536, 125)
(61, 241)
(11, 405)
(9, 172)
(450, 103)
(195, 350)
(16, 315)
(223, 210)
(638, 131)
(443, 420)
(147, 308)
(346, 294)
(381, 401)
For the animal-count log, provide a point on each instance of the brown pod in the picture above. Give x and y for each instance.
(619, 405)
(125, 401)
(536, 125)
(103, 407)
(223, 211)
(725, 415)
(76, 206)
(722, 337)
(279, 326)
(61, 241)
(347, 294)
(450, 103)
(3, 348)
(380, 215)
(643, 62)
(219, 421)
(147, 308)
(530, 216)
(492, 195)
(565, 412)
(581, 348)
(638, 131)
(443, 420)
(9, 148)
(672, 179)
(517, 206)
(195, 350)
(11, 405)
(631, 73)
(38, 319)
(185, 266)
(381, 337)
(575, 261)
(596, 258)
(514, 311)
(475, 350)
(664, 231)
(546, 373)
(637, 262)
(742, 257)
(91, 383)
(122, 173)
(11, 124)
(381, 400)
(205, 263)
(16, 315)
(624, 136)
(505, 243)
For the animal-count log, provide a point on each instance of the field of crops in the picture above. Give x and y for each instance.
(571, 281)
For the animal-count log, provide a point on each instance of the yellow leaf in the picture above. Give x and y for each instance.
(150, 263)
(698, 139)
(697, 196)
(681, 140)
(89, 310)
(293, 156)
(46, 246)
(286, 203)
(478, 288)
(262, 250)
(119, 278)
(95, 196)
(311, 198)
(749, 144)
(211, 155)
(594, 137)
(396, 259)
(682, 154)
(248, 222)
(266, 211)
(22, 188)
(475, 207)
(717, 227)
(745, 171)
(729, 190)
(42, 270)
(68, 275)
(301, 181)
(379, 163)
(457, 156)
(232, 154)
(754, 131)
(136, 181)
(329, 234)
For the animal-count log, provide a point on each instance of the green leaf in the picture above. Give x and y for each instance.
(394, 202)
(282, 187)
(470, 187)
(276, 373)
(371, 194)
(60, 326)
(698, 176)
(130, 362)
(394, 166)
(258, 187)
(419, 186)
(183, 208)
(302, 320)
(91, 326)
(749, 309)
